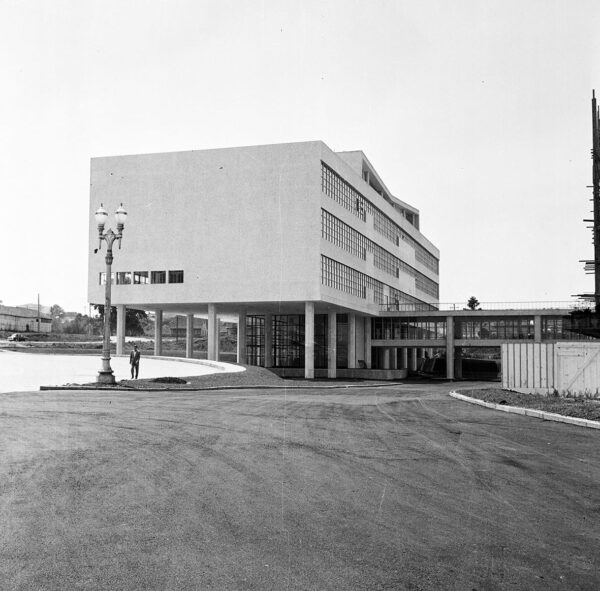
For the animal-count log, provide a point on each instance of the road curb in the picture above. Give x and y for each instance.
(209, 388)
(529, 412)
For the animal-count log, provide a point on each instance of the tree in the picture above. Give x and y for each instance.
(78, 325)
(57, 313)
(473, 303)
(134, 320)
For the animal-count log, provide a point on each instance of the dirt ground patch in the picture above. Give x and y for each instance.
(398, 488)
(582, 408)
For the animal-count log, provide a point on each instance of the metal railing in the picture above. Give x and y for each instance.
(482, 307)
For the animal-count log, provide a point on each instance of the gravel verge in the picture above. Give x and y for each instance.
(582, 408)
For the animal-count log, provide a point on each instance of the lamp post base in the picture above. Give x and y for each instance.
(106, 376)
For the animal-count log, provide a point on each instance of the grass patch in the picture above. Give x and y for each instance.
(169, 380)
(582, 408)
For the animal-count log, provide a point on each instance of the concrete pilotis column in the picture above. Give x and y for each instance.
(121, 312)
(241, 336)
(332, 345)
(386, 358)
(268, 339)
(351, 340)
(309, 340)
(189, 335)
(368, 342)
(450, 347)
(404, 358)
(412, 359)
(158, 317)
(213, 333)
(537, 329)
(393, 358)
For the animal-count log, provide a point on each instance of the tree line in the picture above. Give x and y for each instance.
(136, 321)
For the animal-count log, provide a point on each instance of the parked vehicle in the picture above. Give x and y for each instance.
(17, 337)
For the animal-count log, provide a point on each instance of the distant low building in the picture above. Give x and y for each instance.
(177, 327)
(20, 319)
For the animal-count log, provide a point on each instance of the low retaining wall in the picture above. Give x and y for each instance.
(350, 373)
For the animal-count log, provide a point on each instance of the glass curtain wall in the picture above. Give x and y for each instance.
(288, 341)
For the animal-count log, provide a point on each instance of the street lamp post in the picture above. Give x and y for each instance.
(106, 375)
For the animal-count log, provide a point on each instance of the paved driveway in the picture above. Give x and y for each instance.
(395, 488)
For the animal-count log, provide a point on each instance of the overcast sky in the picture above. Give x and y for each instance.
(476, 112)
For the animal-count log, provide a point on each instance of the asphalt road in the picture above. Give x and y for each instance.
(393, 488)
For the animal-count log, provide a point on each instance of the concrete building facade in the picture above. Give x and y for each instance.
(305, 245)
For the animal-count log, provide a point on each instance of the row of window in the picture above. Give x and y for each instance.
(348, 197)
(407, 328)
(517, 328)
(501, 328)
(142, 277)
(346, 237)
(343, 278)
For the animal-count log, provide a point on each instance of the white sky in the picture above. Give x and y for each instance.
(476, 112)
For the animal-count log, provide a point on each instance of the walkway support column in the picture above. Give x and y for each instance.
(332, 345)
(450, 347)
(393, 358)
(412, 359)
(241, 336)
(189, 336)
(213, 335)
(404, 358)
(158, 320)
(537, 329)
(351, 341)
(309, 340)
(121, 313)
(268, 339)
(386, 358)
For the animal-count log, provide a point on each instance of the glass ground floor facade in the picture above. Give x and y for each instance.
(288, 340)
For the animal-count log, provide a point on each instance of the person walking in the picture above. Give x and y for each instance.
(134, 361)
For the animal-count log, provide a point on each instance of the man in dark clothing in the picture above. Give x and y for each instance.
(134, 361)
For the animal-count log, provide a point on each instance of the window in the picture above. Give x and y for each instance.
(158, 277)
(124, 278)
(103, 278)
(255, 340)
(175, 277)
(140, 278)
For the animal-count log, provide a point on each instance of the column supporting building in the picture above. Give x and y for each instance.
(121, 315)
(241, 336)
(213, 333)
(351, 341)
(332, 345)
(450, 347)
(189, 336)
(309, 340)
(368, 342)
(158, 320)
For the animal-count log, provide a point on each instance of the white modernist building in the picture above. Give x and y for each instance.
(304, 244)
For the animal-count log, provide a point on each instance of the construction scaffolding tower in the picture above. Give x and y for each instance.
(593, 266)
